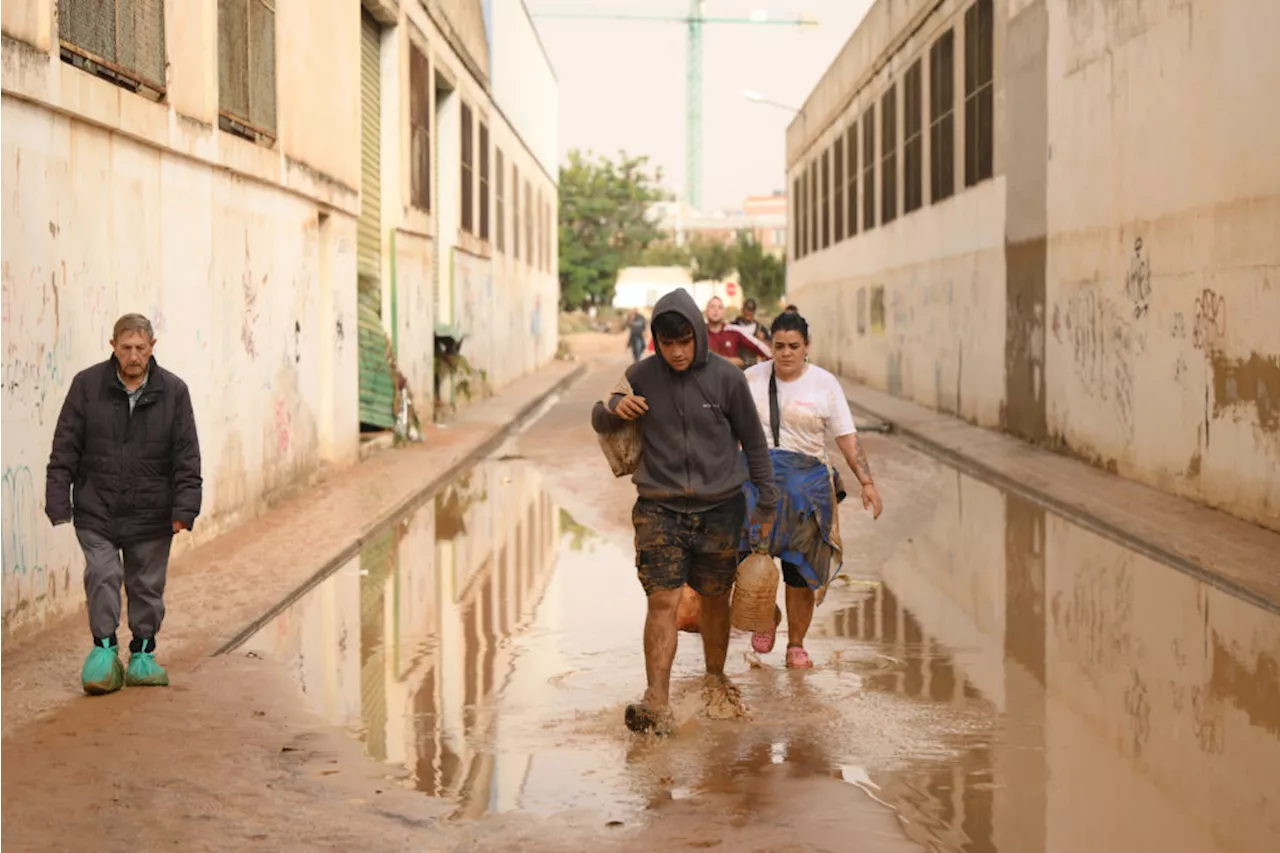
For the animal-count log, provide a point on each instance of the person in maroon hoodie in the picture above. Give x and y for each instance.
(732, 342)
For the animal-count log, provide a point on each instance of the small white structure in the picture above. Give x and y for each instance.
(642, 287)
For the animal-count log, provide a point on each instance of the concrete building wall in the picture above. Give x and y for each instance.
(243, 253)
(1082, 294)
(524, 83)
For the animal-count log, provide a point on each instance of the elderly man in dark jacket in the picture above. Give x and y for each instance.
(125, 468)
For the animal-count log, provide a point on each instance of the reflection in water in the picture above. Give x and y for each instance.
(408, 642)
(1138, 708)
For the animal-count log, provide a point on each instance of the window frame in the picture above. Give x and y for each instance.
(851, 179)
(889, 154)
(913, 138)
(979, 93)
(482, 183)
(110, 69)
(229, 121)
(869, 165)
(420, 89)
(942, 117)
(466, 160)
(499, 201)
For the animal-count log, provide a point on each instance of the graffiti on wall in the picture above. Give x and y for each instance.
(1137, 285)
(22, 516)
(862, 311)
(1104, 345)
(1210, 324)
(877, 309)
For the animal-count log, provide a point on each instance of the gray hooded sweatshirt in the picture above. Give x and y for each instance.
(695, 422)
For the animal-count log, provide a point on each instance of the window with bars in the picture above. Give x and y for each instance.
(552, 236)
(467, 189)
(824, 197)
(913, 139)
(869, 168)
(889, 155)
(484, 181)
(537, 232)
(942, 117)
(979, 92)
(499, 200)
(851, 176)
(814, 222)
(247, 67)
(528, 223)
(419, 129)
(515, 211)
(797, 220)
(118, 40)
(837, 188)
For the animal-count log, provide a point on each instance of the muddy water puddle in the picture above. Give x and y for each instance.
(1009, 682)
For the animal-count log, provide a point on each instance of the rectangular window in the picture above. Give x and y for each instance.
(797, 217)
(824, 198)
(528, 223)
(889, 155)
(118, 40)
(837, 187)
(467, 189)
(499, 201)
(942, 117)
(537, 230)
(484, 181)
(247, 67)
(913, 139)
(515, 212)
(550, 218)
(869, 168)
(851, 176)
(814, 222)
(419, 129)
(979, 92)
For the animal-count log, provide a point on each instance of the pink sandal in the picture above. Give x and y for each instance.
(763, 643)
(798, 658)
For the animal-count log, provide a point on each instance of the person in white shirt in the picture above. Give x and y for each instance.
(810, 409)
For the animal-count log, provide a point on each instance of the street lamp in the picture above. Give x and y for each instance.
(756, 97)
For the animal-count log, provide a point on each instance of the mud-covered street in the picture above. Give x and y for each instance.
(989, 678)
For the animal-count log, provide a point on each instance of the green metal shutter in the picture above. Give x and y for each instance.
(377, 385)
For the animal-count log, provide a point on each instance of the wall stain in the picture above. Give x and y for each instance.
(1241, 382)
(877, 309)
(1256, 691)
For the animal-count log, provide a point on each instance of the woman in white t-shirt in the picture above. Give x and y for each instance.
(811, 410)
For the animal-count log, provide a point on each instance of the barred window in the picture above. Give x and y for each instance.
(913, 142)
(979, 93)
(942, 117)
(815, 223)
(515, 211)
(889, 155)
(247, 67)
(419, 129)
(118, 40)
(484, 181)
(851, 175)
(824, 197)
(869, 168)
(499, 200)
(797, 220)
(528, 223)
(837, 187)
(467, 189)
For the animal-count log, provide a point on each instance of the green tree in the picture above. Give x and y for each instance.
(762, 275)
(605, 223)
(666, 254)
(712, 260)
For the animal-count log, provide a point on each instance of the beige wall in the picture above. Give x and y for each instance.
(1085, 297)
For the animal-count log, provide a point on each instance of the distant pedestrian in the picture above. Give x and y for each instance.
(729, 341)
(125, 469)
(694, 410)
(636, 324)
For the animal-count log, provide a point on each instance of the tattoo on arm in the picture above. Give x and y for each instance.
(861, 467)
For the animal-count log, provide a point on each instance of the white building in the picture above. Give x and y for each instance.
(295, 192)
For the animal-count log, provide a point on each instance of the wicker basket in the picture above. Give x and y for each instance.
(755, 594)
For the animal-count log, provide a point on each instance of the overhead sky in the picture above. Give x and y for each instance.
(622, 84)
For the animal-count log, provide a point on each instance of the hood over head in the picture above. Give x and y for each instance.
(680, 302)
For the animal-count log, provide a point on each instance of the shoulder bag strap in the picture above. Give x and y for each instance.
(775, 419)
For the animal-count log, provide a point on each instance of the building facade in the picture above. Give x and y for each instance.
(764, 217)
(296, 192)
(1059, 220)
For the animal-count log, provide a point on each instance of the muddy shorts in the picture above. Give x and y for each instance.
(697, 548)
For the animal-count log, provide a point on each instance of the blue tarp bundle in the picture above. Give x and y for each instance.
(805, 531)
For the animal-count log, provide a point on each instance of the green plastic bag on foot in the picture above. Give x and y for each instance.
(145, 672)
(102, 671)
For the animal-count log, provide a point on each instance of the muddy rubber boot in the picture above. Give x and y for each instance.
(102, 671)
(143, 669)
(641, 720)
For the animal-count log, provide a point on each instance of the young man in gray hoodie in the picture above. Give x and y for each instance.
(694, 409)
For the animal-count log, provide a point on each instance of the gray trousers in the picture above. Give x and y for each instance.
(142, 571)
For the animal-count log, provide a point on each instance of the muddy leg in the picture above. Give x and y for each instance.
(715, 631)
(660, 647)
(799, 614)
